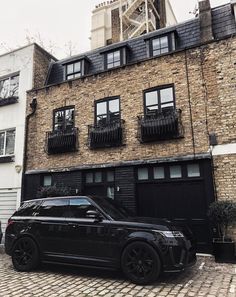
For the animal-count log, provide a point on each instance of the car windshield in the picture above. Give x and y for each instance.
(114, 209)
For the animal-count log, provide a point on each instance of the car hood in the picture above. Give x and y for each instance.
(154, 223)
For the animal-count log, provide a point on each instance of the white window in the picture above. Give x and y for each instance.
(143, 173)
(111, 192)
(158, 172)
(175, 171)
(9, 87)
(47, 181)
(113, 59)
(73, 70)
(7, 142)
(160, 45)
(193, 170)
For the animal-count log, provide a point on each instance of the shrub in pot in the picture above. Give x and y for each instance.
(222, 214)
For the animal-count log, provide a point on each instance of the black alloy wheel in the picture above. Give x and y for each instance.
(25, 254)
(141, 263)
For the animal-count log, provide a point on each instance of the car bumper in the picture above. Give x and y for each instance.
(179, 257)
(9, 242)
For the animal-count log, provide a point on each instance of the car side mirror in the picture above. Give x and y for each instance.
(93, 214)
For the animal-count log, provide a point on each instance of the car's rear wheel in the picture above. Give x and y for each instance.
(25, 254)
(141, 263)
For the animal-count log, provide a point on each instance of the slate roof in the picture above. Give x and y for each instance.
(223, 24)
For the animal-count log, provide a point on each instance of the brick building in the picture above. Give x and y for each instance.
(149, 122)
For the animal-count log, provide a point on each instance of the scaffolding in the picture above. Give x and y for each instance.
(137, 17)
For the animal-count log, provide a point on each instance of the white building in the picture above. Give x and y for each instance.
(17, 69)
(118, 20)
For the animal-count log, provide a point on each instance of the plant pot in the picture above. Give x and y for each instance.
(224, 251)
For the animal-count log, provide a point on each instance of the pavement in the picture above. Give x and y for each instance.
(206, 278)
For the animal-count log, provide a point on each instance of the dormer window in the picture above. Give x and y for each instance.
(115, 57)
(162, 44)
(76, 68)
(73, 70)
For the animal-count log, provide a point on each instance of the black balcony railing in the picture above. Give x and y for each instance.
(8, 100)
(58, 142)
(109, 135)
(163, 126)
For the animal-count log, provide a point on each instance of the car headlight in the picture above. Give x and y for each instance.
(171, 234)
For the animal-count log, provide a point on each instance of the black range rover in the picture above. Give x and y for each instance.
(93, 231)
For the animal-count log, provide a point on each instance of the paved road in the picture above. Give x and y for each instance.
(206, 278)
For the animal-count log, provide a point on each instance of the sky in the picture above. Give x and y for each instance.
(61, 24)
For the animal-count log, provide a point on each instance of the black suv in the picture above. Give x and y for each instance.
(95, 231)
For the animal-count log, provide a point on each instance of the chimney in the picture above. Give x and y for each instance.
(205, 19)
(233, 3)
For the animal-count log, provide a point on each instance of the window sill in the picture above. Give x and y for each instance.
(8, 101)
(7, 159)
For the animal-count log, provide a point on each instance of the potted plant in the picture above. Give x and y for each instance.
(222, 214)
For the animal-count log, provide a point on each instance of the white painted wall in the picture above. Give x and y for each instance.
(101, 25)
(170, 16)
(13, 116)
(224, 149)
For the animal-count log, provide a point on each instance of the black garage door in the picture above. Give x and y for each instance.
(180, 192)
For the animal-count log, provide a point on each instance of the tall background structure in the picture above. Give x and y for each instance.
(119, 20)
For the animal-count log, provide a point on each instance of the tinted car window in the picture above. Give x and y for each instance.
(53, 208)
(79, 207)
(28, 209)
(113, 209)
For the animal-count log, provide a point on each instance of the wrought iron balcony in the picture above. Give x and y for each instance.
(108, 135)
(8, 100)
(58, 142)
(163, 126)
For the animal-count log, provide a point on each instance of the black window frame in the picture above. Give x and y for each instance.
(72, 211)
(9, 78)
(167, 174)
(104, 174)
(105, 182)
(63, 109)
(112, 52)
(159, 103)
(74, 73)
(5, 142)
(42, 180)
(108, 119)
(124, 54)
(172, 44)
(64, 206)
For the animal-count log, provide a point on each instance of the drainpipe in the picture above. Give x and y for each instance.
(33, 106)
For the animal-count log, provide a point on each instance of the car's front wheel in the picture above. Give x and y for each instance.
(25, 254)
(141, 263)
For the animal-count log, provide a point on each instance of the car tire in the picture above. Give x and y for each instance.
(25, 254)
(140, 263)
